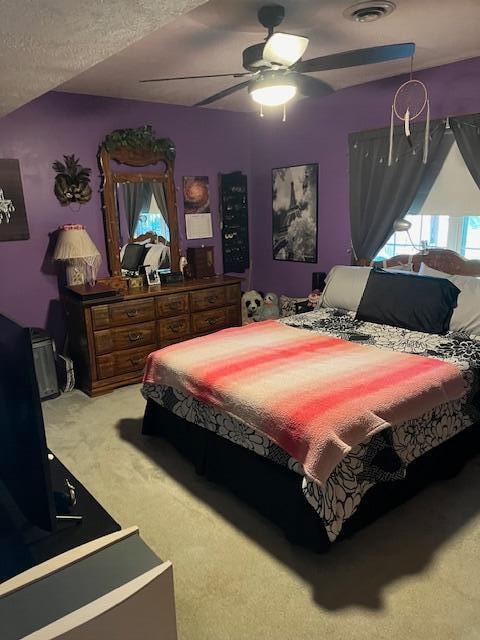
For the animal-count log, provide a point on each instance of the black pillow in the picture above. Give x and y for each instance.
(133, 256)
(418, 303)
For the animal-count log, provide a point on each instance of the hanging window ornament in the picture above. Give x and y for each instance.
(410, 101)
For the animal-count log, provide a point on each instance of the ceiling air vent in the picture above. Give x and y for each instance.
(369, 11)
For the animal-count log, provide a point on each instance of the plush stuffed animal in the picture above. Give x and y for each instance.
(270, 307)
(252, 303)
(314, 298)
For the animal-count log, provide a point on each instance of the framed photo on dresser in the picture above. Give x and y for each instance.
(295, 213)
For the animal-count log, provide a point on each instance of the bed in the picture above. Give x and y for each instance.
(373, 474)
(148, 250)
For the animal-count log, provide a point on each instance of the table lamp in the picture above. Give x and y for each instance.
(75, 247)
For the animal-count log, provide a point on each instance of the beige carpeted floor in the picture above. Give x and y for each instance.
(414, 574)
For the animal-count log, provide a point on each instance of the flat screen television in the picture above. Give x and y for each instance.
(24, 464)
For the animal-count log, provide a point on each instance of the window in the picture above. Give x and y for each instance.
(471, 238)
(446, 212)
(151, 219)
(461, 234)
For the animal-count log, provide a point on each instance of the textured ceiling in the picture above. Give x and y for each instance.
(44, 43)
(210, 40)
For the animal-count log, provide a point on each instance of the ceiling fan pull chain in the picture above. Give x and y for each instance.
(261, 111)
(284, 119)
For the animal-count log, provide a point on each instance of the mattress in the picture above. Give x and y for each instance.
(382, 457)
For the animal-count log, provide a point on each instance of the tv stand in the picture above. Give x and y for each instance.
(23, 546)
(69, 518)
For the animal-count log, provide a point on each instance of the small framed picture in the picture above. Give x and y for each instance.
(153, 276)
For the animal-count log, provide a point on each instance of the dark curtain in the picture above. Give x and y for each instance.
(380, 194)
(466, 130)
(431, 173)
(159, 194)
(135, 195)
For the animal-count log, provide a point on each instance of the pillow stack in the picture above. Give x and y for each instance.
(344, 285)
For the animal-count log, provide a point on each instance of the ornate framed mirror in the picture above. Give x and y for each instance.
(139, 205)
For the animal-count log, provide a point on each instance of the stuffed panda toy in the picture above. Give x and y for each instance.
(252, 303)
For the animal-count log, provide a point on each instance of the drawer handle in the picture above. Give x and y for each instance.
(175, 326)
(212, 299)
(132, 313)
(136, 361)
(212, 321)
(135, 337)
(175, 305)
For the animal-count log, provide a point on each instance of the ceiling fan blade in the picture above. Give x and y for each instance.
(222, 94)
(357, 57)
(284, 48)
(312, 87)
(214, 75)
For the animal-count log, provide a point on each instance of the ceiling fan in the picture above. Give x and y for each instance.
(276, 71)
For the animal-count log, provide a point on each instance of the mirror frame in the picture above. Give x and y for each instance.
(135, 157)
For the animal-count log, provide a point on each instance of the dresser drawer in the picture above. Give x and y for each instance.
(173, 328)
(234, 316)
(136, 335)
(115, 315)
(207, 298)
(209, 320)
(132, 360)
(232, 294)
(172, 304)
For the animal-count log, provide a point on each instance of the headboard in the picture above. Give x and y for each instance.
(152, 237)
(440, 259)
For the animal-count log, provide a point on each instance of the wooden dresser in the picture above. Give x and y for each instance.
(109, 341)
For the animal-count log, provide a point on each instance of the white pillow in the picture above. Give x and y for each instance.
(158, 256)
(466, 316)
(344, 287)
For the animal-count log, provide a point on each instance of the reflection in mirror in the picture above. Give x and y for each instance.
(140, 211)
(143, 222)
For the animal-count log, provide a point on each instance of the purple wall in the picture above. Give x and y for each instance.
(317, 131)
(208, 142)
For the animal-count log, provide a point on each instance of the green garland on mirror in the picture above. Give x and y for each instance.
(141, 138)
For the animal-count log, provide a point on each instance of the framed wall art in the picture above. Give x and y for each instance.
(295, 213)
(196, 204)
(13, 217)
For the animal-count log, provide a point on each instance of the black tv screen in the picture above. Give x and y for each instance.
(24, 464)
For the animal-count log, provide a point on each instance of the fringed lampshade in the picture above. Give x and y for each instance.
(75, 247)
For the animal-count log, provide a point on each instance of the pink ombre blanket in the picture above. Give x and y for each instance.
(314, 395)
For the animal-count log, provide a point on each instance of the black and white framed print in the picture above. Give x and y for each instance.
(295, 212)
(13, 217)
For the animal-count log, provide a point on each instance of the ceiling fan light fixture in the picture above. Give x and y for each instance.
(273, 89)
(284, 48)
(274, 96)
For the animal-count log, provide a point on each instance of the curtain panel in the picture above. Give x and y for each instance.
(159, 194)
(135, 195)
(380, 194)
(466, 130)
